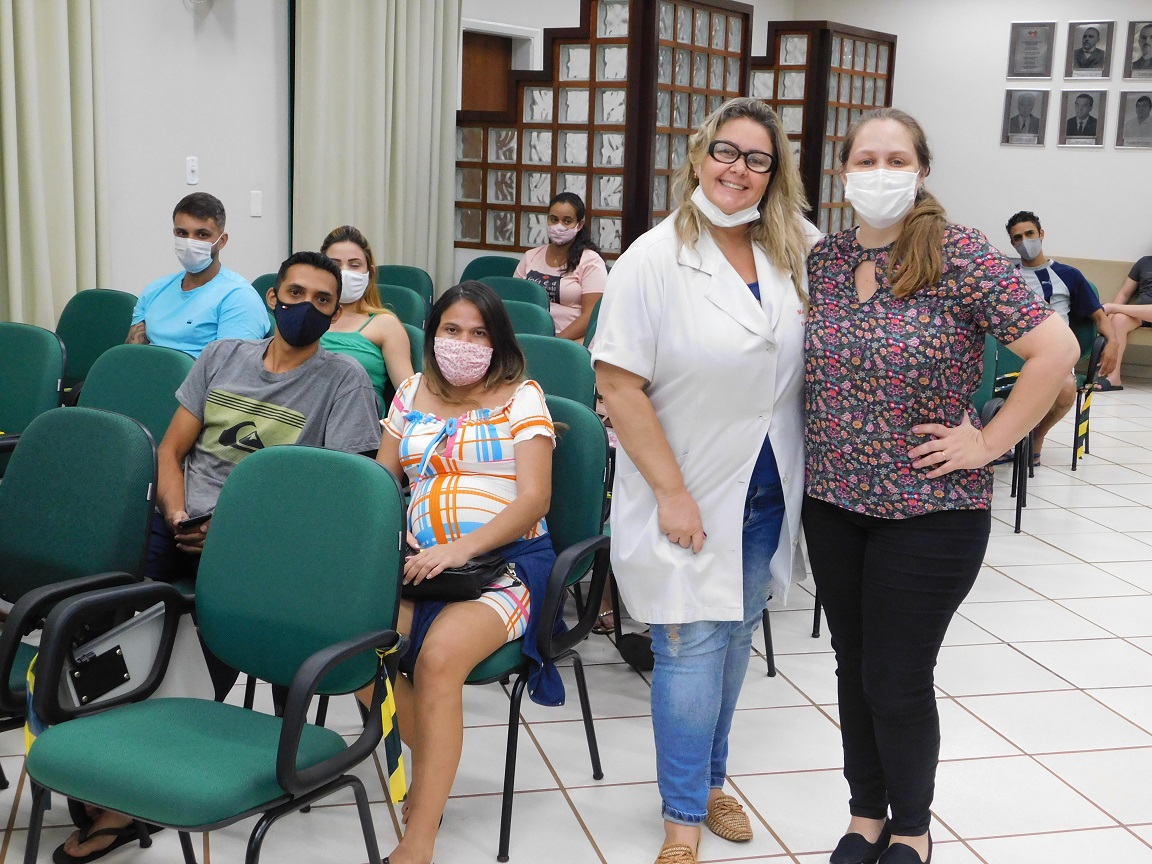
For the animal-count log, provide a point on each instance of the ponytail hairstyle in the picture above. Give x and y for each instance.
(779, 231)
(917, 257)
(370, 303)
(583, 239)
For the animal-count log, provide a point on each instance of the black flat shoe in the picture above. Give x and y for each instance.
(854, 849)
(902, 853)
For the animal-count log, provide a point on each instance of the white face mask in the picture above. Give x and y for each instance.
(352, 285)
(1028, 249)
(195, 256)
(881, 197)
(718, 217)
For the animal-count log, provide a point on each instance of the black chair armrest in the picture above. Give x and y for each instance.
(59, 630)
(989, 410)
(28, 614)
(305, 682)
(1094, 363)
(8, 443)
(566, 562)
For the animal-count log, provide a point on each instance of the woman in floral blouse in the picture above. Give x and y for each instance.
(898, 489)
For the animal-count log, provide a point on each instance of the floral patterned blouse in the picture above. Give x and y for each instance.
(874, 369)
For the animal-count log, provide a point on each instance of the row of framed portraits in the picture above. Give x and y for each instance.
(1088, 53)
(1082, 118)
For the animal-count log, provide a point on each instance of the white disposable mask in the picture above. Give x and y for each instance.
(718, 217)
(195, 256)
(881, 197)
(352, 285)
(1029, 248)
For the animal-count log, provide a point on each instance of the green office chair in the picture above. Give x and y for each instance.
(590, 333)
(406, 303)
(530, 318)
(575, 524)
(75, 512)
(410, 277)
(31, 374)
(416, 340)
(561, 367)
(489, 265)
(139, 381)
(92, 322)
(263, 283)
(1008, 367)
(524, 290)
(281, 595)
(1091, 348)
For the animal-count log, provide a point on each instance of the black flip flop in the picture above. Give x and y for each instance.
(1105, 386)
(124, 836)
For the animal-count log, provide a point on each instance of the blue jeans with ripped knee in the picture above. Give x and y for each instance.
(699, 670)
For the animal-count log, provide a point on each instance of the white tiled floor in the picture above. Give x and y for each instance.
(1045, 686)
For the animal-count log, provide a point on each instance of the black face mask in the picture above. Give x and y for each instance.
(301, 323)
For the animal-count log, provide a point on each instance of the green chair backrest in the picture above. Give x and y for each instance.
(406, 303)
(304, 552)
(579, 474)
(76, 499)
(263, 283)
(1085, 329)
(139, 381)
(92, 322)
(591, 331)
(988, 376)
(416, 341)
(530, 318)
(489, 265)
(410, 277)
(31, 372)
(524, 290)
(561, 367)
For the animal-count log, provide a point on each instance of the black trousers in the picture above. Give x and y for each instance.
(889, 588)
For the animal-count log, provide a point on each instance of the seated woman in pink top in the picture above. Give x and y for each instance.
(569, 267)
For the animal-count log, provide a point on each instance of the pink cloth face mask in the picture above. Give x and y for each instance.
(560, 235)
(461, 363)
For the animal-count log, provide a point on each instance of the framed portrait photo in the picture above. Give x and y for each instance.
(1089, 52)
(1138, 50)
(1082, 117)
(1134, 119)
(1030, 49)
(1025, 117)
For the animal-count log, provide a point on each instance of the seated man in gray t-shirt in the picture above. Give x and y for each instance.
(243, 395)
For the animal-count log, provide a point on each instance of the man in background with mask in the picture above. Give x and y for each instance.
(1066, 290)
(204, 301)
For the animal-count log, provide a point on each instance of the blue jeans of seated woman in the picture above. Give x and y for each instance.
(699, 670)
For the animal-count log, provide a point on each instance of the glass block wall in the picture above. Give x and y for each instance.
(589, 123)
(819, 77)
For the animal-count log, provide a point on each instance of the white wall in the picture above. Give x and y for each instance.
(212, 85)
(951, 60)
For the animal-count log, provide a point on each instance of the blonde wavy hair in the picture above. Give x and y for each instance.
(917, 257)
(780, 229)
(370, 303)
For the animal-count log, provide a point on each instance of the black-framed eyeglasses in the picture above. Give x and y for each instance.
(758, 161)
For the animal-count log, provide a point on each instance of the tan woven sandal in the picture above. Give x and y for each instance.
(676, 853)
(727, 819)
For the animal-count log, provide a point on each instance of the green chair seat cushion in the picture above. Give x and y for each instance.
(179, 762)
(18, 677)
(503, 661)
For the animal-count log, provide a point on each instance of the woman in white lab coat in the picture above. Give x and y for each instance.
(698, 358)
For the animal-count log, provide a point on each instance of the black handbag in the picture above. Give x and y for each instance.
(458, 583)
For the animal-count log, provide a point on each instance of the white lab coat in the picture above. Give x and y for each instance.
(723, 373)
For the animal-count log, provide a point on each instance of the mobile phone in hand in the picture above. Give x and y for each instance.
(186, 525)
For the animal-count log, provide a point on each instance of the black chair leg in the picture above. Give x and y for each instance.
(816, 616)
(186, 848)
(769, 654)
(321, 710)
(36, 822)
(4, 784)
(1076, 429)
(510, 766)
(249, 692)
(366, 825)
(269, 818)
(586, 712)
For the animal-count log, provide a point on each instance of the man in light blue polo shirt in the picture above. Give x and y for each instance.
(204, 301)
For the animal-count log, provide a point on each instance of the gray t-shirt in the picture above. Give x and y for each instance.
(327, 401)
(1141, 274)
